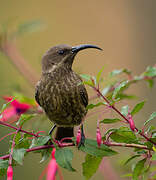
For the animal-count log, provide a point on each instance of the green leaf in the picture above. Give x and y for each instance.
(115, 72)
(124, 135)
(150, 82)
(131, 158)
(42, 140)
(150, 71)
(24, 99)
(24, 118)
(137, 108)
(91, 147)
(91, 106)
(124, 110)
(109, 121)
(119, 71)
(106, 90)
(127, 175)
(152, 116)
(138, 169)
(3, 172)
(18, 155)
(98, 77)
(28, 27)
(153, 157)
(3, 164)
(64, 158)
(6, 105)
(89, 80)
(90, 165)
(119, 88)
(45, 154)
(86, 77)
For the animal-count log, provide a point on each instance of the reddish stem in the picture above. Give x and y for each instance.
(41, 147)
(8, 125)
(117, 111)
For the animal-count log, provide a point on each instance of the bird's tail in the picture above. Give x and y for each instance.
(63, 132)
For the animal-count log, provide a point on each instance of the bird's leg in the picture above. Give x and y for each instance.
(52, 129)
(82, 141)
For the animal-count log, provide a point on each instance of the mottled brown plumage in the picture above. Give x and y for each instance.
(60, 91)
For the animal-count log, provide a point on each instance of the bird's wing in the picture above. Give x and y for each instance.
(83, 95)
(37, 96)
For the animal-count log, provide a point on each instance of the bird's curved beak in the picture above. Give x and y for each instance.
(84, 46)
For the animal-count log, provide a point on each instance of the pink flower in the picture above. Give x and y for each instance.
(52, 167)
(13, 113)
(98, 135)
(78, 137)
(9, 173)
(131, 122)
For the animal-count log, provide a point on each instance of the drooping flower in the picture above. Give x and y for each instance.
(52, 167)
(13, 112)
(131, 122)
(9, 173)
(98, 135)
(78, 137)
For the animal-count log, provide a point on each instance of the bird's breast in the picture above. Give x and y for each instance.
(61, 99)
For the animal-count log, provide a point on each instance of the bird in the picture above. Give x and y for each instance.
(60, 91)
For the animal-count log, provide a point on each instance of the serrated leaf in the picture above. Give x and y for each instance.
(138, 169)
(91, 106)
(152, 116)
(137, 108)
(24, 118)
(119, 88)
(150, 71)
(124, 110)
(124, 135)
(131, 158)
(90, 165)
(109, 121)
(91, 147)
(42, 140)
(18, 155)
(64, 158)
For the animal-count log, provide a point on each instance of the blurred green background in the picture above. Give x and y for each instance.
(125, 30)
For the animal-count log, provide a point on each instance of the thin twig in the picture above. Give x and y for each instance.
(13, 127)
(124, 117)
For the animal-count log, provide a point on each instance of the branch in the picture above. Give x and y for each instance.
(127, 145)
(8, 125)
(124, 117)
(40, 148)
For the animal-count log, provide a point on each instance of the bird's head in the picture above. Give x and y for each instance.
(62, 56)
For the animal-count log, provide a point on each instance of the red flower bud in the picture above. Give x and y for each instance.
(52, 167)
(9, 173)
(78, 137)
(98, 135)
(131, 122)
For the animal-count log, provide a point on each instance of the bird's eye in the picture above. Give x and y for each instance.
(61, 52)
